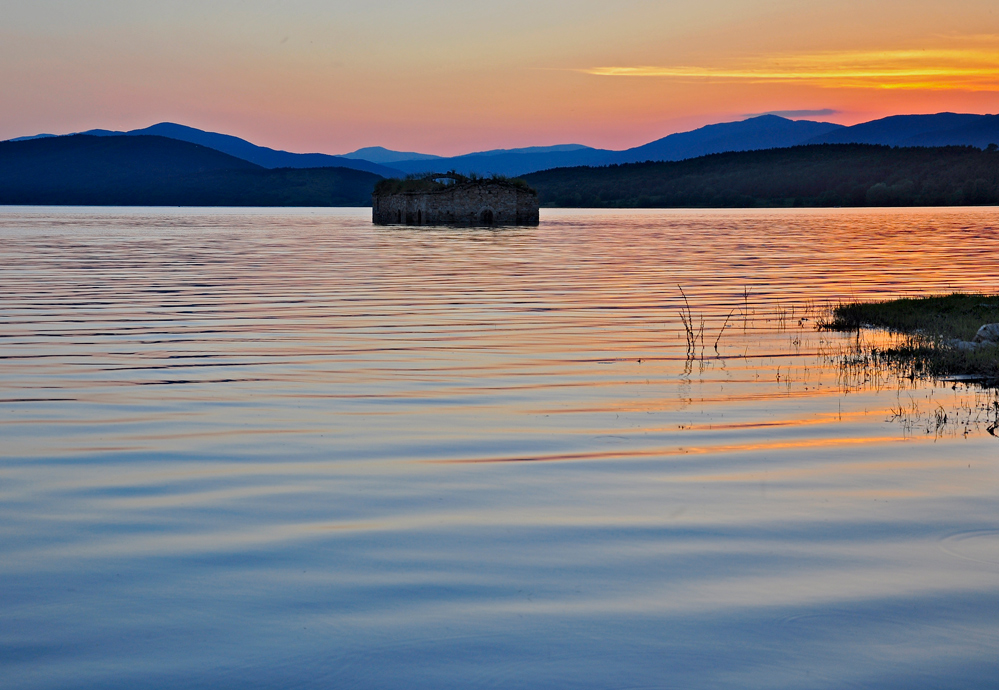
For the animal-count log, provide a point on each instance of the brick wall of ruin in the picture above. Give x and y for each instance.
(469, 205)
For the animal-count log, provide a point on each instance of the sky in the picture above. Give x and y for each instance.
(450, 76)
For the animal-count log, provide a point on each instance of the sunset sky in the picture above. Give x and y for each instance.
(451, 76)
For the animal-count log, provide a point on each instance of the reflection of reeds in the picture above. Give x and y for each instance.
(956, 420)
(781, 315)
(870, 361)
(920, 357)
(745, 307)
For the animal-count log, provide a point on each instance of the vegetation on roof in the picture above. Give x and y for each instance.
(437, 182)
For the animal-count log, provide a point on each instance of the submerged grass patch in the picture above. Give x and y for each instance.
(938, 332)
(958, 315)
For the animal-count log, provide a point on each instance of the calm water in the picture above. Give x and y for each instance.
(276, 449)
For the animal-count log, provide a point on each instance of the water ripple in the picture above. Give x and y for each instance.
(246, 447)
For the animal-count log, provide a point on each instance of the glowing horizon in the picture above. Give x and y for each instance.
(447, 77)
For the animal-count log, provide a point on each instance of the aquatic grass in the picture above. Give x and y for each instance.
(724, 326)
(694, 327)
(981, 411)
(958, 315)
(687, 319)
(937, 332)
(696, 335)
(936, 359)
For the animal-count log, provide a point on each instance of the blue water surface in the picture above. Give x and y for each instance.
(289, 449)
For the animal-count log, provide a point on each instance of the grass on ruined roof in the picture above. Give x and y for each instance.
(394, 185)
(426, 183)
(932, 324)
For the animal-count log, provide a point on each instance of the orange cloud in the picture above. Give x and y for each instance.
(934, 70)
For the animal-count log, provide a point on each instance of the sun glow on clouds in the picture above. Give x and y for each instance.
(933, 70)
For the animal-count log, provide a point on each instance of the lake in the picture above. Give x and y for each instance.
(288, 449)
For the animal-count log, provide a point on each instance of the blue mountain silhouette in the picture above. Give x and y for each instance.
(240, 148)
(896, 130)
(763, 132)
(755, 133)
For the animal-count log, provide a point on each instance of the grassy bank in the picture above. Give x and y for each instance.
(939, 332)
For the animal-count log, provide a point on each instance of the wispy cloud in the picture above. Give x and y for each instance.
(940, 69)
(797, 113)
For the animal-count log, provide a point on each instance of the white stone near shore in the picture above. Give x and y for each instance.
(988, 334)
(965, 344)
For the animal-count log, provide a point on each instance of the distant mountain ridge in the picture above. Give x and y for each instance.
(765, 131)
(980, 133)
(762, 132)
(510, 162)
(904, 130)
(380, 154)
(146, 170)
(240, 148)
(755, 133)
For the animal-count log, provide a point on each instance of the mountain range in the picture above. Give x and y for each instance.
(146, 170)
(755, 133)
(240, 148)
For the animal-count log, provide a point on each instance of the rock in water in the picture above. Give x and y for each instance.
(988, 333)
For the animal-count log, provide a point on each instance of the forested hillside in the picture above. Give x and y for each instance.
(821, 175)
(157, 171)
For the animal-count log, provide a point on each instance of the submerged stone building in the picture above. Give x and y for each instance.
(452, 199)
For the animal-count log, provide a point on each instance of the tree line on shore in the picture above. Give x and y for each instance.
(152, 170)
(818, 175)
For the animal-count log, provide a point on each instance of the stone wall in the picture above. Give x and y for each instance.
(480, 202)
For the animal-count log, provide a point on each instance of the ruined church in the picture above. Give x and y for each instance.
(452, 199)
